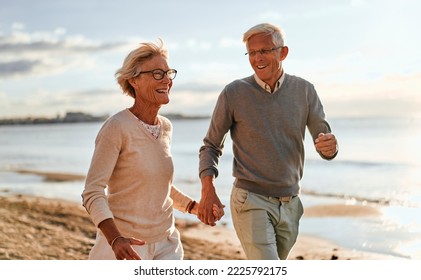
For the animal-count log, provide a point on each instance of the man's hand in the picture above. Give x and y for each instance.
(217, 212)
(326, 144)
(209, 198)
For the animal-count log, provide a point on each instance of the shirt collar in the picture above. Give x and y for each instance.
(266, 87)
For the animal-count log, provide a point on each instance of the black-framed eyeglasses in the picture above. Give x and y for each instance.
(263, 51)
(158, 74)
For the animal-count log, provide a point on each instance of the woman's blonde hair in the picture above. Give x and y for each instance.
(132, 65)
(276, 32)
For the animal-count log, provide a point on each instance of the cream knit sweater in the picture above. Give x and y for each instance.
(131, 179)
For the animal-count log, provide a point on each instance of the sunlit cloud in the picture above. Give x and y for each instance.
(388, 96)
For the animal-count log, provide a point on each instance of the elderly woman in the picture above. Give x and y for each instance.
(132, 160)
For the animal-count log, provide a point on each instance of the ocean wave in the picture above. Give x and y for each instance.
(357, 163)
(52, 176)
(360, 199)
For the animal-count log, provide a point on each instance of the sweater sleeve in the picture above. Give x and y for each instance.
(107, 148)
(211, 151)
(316, 119)
(181, 200)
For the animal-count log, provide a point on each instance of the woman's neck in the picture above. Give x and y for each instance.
(146, 113)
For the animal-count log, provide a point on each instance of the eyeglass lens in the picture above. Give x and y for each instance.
(159, 74)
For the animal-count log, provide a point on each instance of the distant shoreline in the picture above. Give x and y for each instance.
(69, 117)
(80, 117)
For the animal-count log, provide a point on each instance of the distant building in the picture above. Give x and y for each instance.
(73, 117)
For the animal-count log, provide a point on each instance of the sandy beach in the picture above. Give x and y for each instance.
(35, 228)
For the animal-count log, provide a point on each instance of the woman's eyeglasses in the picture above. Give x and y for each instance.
(158, 74)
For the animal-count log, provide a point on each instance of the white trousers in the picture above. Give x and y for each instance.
(169, 248)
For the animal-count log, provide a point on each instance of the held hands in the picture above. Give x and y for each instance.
(326, 144)
(217, 211)
(210, 208)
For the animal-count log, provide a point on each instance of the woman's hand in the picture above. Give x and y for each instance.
(121, 245)
(218, 212)
(123, 249)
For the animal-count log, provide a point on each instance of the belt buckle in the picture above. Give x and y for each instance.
(285, 198)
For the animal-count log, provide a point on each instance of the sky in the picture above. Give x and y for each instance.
(59, 56)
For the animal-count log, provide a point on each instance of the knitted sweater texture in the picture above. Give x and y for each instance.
(267, 132)
(130, 179)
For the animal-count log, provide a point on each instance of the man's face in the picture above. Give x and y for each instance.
(266, 63)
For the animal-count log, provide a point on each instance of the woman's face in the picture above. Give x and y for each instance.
(148, 89)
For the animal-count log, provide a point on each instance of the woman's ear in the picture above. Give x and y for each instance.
(133, 82)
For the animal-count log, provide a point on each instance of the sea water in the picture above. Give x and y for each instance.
(378, 164)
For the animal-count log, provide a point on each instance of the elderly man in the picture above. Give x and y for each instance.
(266, 114)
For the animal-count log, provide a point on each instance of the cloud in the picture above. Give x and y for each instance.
(395, 95)
(18, 66)
(23, 53)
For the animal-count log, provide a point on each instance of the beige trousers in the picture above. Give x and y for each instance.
(266, 227)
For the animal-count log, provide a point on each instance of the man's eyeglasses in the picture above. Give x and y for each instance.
(262, 51)
(158, 74)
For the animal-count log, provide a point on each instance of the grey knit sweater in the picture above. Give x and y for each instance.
(267, 131)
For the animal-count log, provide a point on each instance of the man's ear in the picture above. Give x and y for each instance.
(284, 52)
